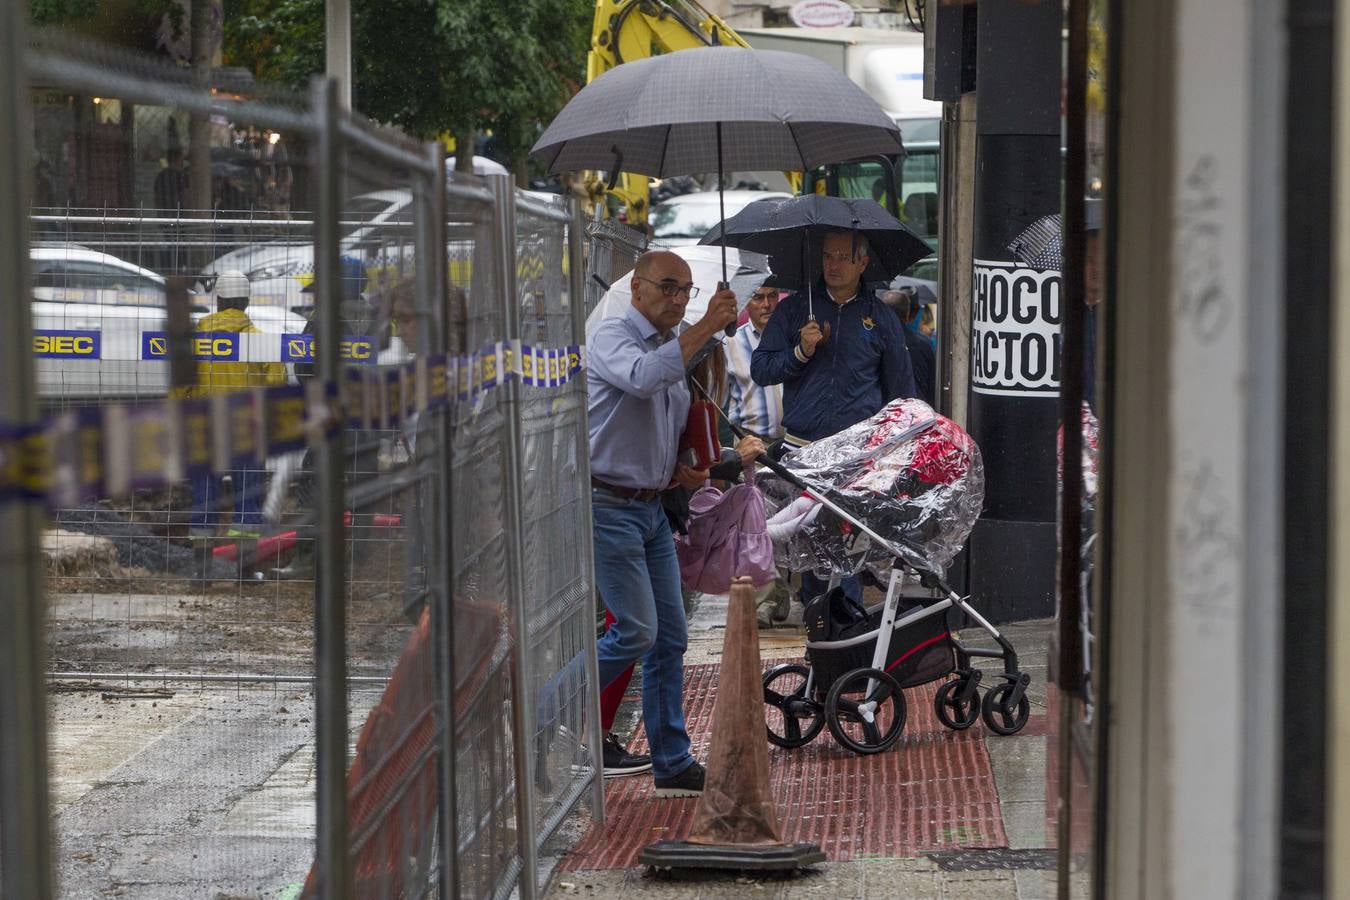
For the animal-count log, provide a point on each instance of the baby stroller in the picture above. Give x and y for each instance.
(896, 494)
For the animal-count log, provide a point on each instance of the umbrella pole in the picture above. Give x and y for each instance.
(722, 206)
(806, 263)
(722, 216)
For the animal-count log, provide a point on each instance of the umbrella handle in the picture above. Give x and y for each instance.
(730, 330)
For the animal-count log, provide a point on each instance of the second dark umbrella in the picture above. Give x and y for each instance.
(790, 233)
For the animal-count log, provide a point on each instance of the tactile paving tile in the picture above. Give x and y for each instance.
(934, 790)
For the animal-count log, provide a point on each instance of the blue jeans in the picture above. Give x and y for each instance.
(639, 577)
(813, 587)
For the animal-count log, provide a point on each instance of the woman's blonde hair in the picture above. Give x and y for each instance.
(711, 373)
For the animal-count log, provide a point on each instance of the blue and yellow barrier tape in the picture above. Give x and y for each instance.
(109, 451)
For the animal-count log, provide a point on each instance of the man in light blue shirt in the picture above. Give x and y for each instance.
(638, 404)
(757, 408)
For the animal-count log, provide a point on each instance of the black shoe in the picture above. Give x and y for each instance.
(688, 783)
(618, 761)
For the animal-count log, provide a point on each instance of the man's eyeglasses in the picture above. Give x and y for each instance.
(672, 289)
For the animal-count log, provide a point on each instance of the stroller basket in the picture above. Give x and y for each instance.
(918, 653)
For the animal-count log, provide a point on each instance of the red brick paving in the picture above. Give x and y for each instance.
(934, 790)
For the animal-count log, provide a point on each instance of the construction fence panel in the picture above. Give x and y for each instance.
(612, 250)
(395, 555)
(488, 861)
(559, 609)
(25, 846)
(182, 656)
(253, 535)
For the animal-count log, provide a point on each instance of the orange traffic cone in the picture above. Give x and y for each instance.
(735, 824)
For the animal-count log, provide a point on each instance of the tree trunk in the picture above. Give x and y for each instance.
(464, 149)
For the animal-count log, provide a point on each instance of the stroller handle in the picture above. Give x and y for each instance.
(900, 551)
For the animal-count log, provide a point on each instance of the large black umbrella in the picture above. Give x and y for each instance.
(661, 116)
(710, 108)
(790, 232)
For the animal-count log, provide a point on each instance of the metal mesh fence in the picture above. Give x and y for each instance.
(559, 615)
(613, 250)
(183, 664)
(214, 595)
(486, 817)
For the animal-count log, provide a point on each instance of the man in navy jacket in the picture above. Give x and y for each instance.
(840, 367)
(830, 384)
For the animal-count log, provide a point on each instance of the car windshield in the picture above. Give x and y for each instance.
(695, 219)
(94, 281)
(684, 220)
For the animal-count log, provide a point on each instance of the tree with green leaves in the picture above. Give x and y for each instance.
(431, 66)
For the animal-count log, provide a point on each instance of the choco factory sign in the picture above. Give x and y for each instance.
(1015, 330)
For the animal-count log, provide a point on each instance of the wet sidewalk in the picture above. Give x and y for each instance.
(941, 814)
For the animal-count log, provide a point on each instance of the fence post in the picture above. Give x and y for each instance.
(576, 262)
(330, 613)
(25, 840)
(522, 721)
(432, 267)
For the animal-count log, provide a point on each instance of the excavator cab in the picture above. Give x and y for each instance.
(908, 191)
(869, 177)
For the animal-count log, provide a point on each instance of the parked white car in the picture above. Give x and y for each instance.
(90, 313)
(377, 229)
(278, 271)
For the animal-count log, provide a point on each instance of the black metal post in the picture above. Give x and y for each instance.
(1016, 316)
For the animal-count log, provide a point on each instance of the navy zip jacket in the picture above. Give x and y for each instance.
(863, 366)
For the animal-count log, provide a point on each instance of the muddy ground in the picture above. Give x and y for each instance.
(169, 787)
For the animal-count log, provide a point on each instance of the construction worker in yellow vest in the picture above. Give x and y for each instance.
(221, 376)
(231, 316)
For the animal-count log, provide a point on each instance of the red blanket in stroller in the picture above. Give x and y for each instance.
(911, 475)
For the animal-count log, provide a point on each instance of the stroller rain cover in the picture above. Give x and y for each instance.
(913, 476)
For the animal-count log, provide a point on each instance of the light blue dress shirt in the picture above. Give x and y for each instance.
(756, 408)
(638, 402)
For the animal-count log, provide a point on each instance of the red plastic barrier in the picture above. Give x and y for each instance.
(274, 545)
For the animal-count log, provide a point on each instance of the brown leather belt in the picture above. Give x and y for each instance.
(643, 494)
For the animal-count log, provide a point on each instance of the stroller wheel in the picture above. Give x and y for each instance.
(951, 710)
(793, 718)
(865, 710)
(1000, 716)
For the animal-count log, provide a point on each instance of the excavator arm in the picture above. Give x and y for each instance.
(625, 30)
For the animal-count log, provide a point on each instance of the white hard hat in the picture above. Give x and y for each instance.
(232, 285)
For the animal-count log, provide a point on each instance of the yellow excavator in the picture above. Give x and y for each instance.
(625, 30)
